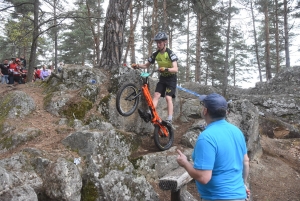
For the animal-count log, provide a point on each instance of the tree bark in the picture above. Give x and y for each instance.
(154, 25)
(131, 41)
(35, 36)
(131, 36)
(165, 27)
(286, 35)
(267, 46)
(198, 50)
(277, 37)
(234, 67)
(255, 42)
(55, 36)
(113, 36)
(96, 35)
(187, 72)
(226, 66)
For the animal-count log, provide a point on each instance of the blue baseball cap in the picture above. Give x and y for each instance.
(213, 101)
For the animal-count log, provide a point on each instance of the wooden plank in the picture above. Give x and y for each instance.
(175, 180)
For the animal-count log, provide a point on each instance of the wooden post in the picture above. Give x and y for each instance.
(174, 181)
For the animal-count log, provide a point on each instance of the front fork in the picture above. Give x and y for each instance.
(156, 120)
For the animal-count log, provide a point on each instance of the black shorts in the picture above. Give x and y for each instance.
(167, 86)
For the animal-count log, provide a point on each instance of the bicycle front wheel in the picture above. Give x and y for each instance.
(162, 141)
(127, 99)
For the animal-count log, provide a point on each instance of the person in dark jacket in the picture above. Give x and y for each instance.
(4, 71)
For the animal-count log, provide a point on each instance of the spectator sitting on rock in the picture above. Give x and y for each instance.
(36, 74)
(15, 74)
(44, 73)
(4, 71)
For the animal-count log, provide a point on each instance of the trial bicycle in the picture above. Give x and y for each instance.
(127, 100)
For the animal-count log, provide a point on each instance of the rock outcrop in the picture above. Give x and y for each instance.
(105, 141)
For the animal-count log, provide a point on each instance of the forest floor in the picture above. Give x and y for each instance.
(271, 177)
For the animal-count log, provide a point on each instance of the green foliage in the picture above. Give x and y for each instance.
(22, 6)
(77, 45)
(239, 69)
(76, 109)
(19, 37)
(104, 104)
(4, 109)
(89, 192)
(134, 161)
(6, 142)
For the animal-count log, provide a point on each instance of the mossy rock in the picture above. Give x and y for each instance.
(89, 192)
(76, 108)
(104, 105)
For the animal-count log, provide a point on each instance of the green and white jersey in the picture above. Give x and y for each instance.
(164, 60)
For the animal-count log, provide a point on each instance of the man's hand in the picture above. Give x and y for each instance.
(247, 192)
(181, 158)
(134, 66)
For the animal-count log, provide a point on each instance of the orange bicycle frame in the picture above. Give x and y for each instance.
(155, 118)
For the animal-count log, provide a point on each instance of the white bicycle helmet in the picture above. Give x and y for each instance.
(160, 36)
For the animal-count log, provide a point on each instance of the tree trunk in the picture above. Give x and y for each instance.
(226, 66)
(154, 25)
(113, 34)
(267, 47)
(255, 42)
(165, 27)
(98, 51)
(143, 34)
(170, 41)
(154, 28)
(131, 44)
(55, 36)
(96, 35)
(35, 36)
(286, 35)
(234, 67)
(277, 37)
(187, 70)
(198, 50)
(131, 36)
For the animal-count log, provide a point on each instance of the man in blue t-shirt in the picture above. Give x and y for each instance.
(221, 163)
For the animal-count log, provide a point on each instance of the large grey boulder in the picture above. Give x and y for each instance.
(19, 193)
(62, 181)
(117, 185)
(108, 168)
(17, 175)
(74, 82)
(16, 104)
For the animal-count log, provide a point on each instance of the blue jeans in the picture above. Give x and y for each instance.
(4, 79)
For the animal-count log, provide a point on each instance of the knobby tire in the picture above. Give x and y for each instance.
(127, 99)
(160, 140)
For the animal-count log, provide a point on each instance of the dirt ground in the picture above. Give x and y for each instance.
(273, 177)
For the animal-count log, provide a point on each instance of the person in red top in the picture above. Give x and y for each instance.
(16, 68)
(12, 67)
(37, 74)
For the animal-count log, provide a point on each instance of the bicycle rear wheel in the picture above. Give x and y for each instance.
(162, 141)
(127, 99)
